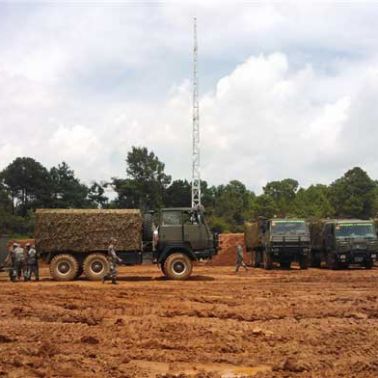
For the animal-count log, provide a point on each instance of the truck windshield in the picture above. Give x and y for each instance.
(291, 227)
(355, 230)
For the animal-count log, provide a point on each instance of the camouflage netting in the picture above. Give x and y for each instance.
(87, 230)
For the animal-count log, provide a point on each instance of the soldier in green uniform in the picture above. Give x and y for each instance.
(113, 259)
(240, 258)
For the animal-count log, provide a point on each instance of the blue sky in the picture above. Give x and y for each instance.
(288, 89)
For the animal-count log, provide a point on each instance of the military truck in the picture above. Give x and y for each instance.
(74, 241)
(278, 240)
(343, 242)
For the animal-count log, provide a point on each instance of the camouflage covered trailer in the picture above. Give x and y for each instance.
(343, 242)
(278, 240)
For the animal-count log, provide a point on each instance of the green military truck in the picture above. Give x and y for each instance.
(278, 240)
(343, 242)
(75, 241)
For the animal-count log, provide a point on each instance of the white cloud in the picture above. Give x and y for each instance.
(287, 89)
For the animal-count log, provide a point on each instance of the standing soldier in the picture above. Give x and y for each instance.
(32, 260)
(240, 258)
(10, 262)
(19, 257)
(113, 260)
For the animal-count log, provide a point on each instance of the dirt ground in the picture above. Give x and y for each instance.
(314, 323)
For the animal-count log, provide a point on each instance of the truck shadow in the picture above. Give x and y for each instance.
(162, 278)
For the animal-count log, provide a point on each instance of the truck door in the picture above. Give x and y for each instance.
(195, 231)
(171, 226)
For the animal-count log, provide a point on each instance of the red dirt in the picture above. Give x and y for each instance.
(227, 252)
(314, 323)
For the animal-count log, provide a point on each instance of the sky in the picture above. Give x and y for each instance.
(287, 89)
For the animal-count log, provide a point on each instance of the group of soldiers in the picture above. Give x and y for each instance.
(23, 263)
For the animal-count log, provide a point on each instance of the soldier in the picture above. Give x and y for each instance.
(10, 262)
(32, 263)
(19, 261)
(240, 258)
(113, 260)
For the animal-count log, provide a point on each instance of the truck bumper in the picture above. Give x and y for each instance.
(289, 254)
(357, 257)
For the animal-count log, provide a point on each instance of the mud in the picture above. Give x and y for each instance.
(314, 323)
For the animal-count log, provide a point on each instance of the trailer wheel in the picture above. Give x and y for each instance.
(64, 267)
(178, 266)
(96, 266)
(368, 264)
(267, 260)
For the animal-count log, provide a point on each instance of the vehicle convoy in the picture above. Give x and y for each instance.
(74, 241)
(278, 240)
(343, 242)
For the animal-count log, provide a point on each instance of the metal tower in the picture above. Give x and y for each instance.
(196, 173)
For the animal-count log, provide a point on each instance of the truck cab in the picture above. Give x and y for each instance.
(349, 242)
(284, 241)
(184, 234)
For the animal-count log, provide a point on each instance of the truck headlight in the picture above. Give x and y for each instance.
(373, 256)
(342, 257)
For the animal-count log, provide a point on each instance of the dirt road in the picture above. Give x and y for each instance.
(314, 323)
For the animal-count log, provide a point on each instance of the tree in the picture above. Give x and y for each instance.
(283, 194)
(178, 194)
(66, 190)
(233, 204)
(28, 183)
(146, 182)
(354, 194)
(97, 196)
(264, 206)
(313, 202)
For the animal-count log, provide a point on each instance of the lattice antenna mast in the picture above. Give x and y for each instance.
(196, 172)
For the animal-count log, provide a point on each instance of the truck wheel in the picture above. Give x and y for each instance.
(64, 267)
(96, 266)
(303, 262)
(148, 222)
(178, 266)
(267, 260)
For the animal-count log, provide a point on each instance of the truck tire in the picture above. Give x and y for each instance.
(303, 262)
(148, 222)
(368, 264)
(178, 266)
(96, 266)
(64, 267)
(267, 260)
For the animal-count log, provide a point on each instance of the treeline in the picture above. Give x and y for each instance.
(26, 184)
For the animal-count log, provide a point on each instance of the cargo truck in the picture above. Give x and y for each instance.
(74, 241)
(343, 242)
(278, 240)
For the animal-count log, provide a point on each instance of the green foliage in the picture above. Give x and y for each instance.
(283, 194)
(178, 194)
(66, 190)
(354, 194)
(27, 182)
(144, 188)
(312, 202)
